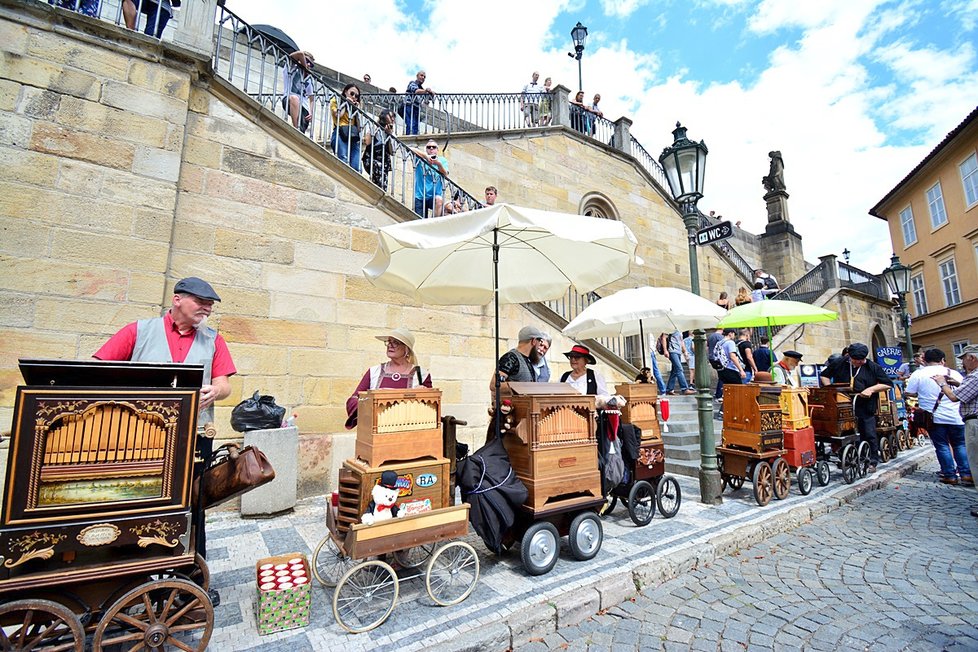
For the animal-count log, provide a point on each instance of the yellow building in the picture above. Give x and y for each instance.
(933, 219)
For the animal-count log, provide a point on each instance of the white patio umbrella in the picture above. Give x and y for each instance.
(506, 252)
(633, 310)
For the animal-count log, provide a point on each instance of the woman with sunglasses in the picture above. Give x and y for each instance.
(401, 371)
(345, 140)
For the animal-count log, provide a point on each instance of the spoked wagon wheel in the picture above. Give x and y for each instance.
(763, 485)
(886, 451)
(782, 478)
(585, 535)
(894, 446)
(39, 626)
(414, 557)
(735, 481)
(668, 496)
(863, 454)
(329, 563)
(822, 473)
(805, 480)
(902, 440)
(365, 596)
(539, 548)
(641, 503)
(849, 460)
(163, 614)
(452, 573)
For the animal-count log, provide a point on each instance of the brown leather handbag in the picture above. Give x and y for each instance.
(233, 471)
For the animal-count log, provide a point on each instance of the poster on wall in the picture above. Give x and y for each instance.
(890, 358)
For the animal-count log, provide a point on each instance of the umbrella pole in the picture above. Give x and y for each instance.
(641, 334)
(770, 342)
(495, 301)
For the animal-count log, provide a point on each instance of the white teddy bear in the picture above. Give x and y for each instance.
(382, 506)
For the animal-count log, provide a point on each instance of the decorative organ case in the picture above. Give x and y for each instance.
(397, 425)
(886, 418)
(96, 475)
(752, 417)
(641, 408)
(552, 444)
(832, 410)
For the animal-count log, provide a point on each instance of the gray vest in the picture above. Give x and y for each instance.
(151, 346)
(524, 374)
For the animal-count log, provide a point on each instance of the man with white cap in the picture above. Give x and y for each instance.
(517, 365)
(182, 336)
(967, 394)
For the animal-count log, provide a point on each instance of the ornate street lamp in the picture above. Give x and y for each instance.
(897, 277)
(685, 167)
(845, 254)
(579, 34)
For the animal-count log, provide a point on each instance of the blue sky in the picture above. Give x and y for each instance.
(852, 92)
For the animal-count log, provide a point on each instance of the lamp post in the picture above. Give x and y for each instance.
(897, 277)
(845, 254)
(579, 34)
(685, 167)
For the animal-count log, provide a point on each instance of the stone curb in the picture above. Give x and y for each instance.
(536, 622)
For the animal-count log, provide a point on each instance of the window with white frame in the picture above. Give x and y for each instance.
(935, 204)
(958, 347)
(969, 179)
(949, 281)
(906, 223)
(919, 296)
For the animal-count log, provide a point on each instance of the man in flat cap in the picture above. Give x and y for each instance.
(182, 336)
(967, 395)
(518, 365)
(869, 379)
(785, 371)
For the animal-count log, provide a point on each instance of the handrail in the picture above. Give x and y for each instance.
(250, 61)
(649, 162)
(861, 280)
(725, 249)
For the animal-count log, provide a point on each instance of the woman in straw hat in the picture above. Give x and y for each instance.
(401, 371)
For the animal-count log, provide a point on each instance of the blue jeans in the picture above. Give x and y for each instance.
(658, 377)
(347, 149)
(423, 206)
(411, 115)
(676, 373)
(949, 445)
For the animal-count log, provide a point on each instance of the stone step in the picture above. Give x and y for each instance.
(683, 438)
(683, 452)
(689, 468)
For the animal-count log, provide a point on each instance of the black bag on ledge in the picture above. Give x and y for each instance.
(257, 413)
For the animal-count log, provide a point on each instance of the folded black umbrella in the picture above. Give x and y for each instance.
(493, 491)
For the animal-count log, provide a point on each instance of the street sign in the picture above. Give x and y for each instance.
(719, 231)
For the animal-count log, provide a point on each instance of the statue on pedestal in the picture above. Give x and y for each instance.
(774, 180)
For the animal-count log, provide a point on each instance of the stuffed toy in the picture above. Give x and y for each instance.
(383, 496)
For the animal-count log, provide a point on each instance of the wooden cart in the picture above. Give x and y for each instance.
(836, 438)
(97, 533)
(647, 485)
(799, 440)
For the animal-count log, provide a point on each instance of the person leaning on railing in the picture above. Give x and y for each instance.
(378, 149)
(429, 173)
(299, 91)
(157, 14)
(345, 139)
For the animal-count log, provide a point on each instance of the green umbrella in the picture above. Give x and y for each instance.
(774, 312)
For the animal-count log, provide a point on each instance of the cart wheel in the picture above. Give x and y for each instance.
(822, 473)
(763, 485)
(886, 450)
(610, 502)
(539, 548)
(894, 446)
(921, 440)
(414, 557)
(163, 614)
(805, 480)
(863, 454)
(782, 478)
(849, 460)
(40, 625)
(365, 596)
(736, 482)
(452, 573)
(902, 440)
(585, 536)
(329, 563)
(668, 496)
(641, 503)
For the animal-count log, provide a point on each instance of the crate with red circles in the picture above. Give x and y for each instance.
(284, 593)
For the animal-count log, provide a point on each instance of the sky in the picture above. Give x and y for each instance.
(853, 93)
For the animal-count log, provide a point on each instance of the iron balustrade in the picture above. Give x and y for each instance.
(111, 11)
(725, 249)
(649, 163)
(259, 67)
(447, 113)
(862, 281)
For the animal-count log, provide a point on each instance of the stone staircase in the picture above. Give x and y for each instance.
(682, 442)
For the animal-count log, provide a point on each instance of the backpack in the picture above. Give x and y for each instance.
(719, 360)
(659, 347)
(770, 283)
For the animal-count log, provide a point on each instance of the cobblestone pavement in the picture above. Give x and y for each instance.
(508, 607)
(893, 570)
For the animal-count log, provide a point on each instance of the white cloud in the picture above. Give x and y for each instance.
(621, 8)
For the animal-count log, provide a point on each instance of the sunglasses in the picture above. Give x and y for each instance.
(354, 96)
(431, 146)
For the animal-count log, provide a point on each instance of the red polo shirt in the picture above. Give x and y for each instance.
(121, 345)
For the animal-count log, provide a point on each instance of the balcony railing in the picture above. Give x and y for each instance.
(262, 69)
(862, 281)
(145, 18)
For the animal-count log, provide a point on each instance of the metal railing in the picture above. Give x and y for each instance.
(573, 303)
(649, 162)
(138, 15)
(447, 113)
(259, 67)
(862, 281)
(725, 249)
(809, 287)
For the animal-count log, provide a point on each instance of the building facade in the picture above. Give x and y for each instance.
(932, 215)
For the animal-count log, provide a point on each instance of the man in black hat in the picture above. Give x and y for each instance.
(869, 379)
(181, 335)
(783, 373)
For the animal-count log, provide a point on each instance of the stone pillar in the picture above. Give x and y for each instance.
(777, 206)
(830, 271)
(281, 447)
(561, 106)
(195, 26)
(782, 253)
(622, 140)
